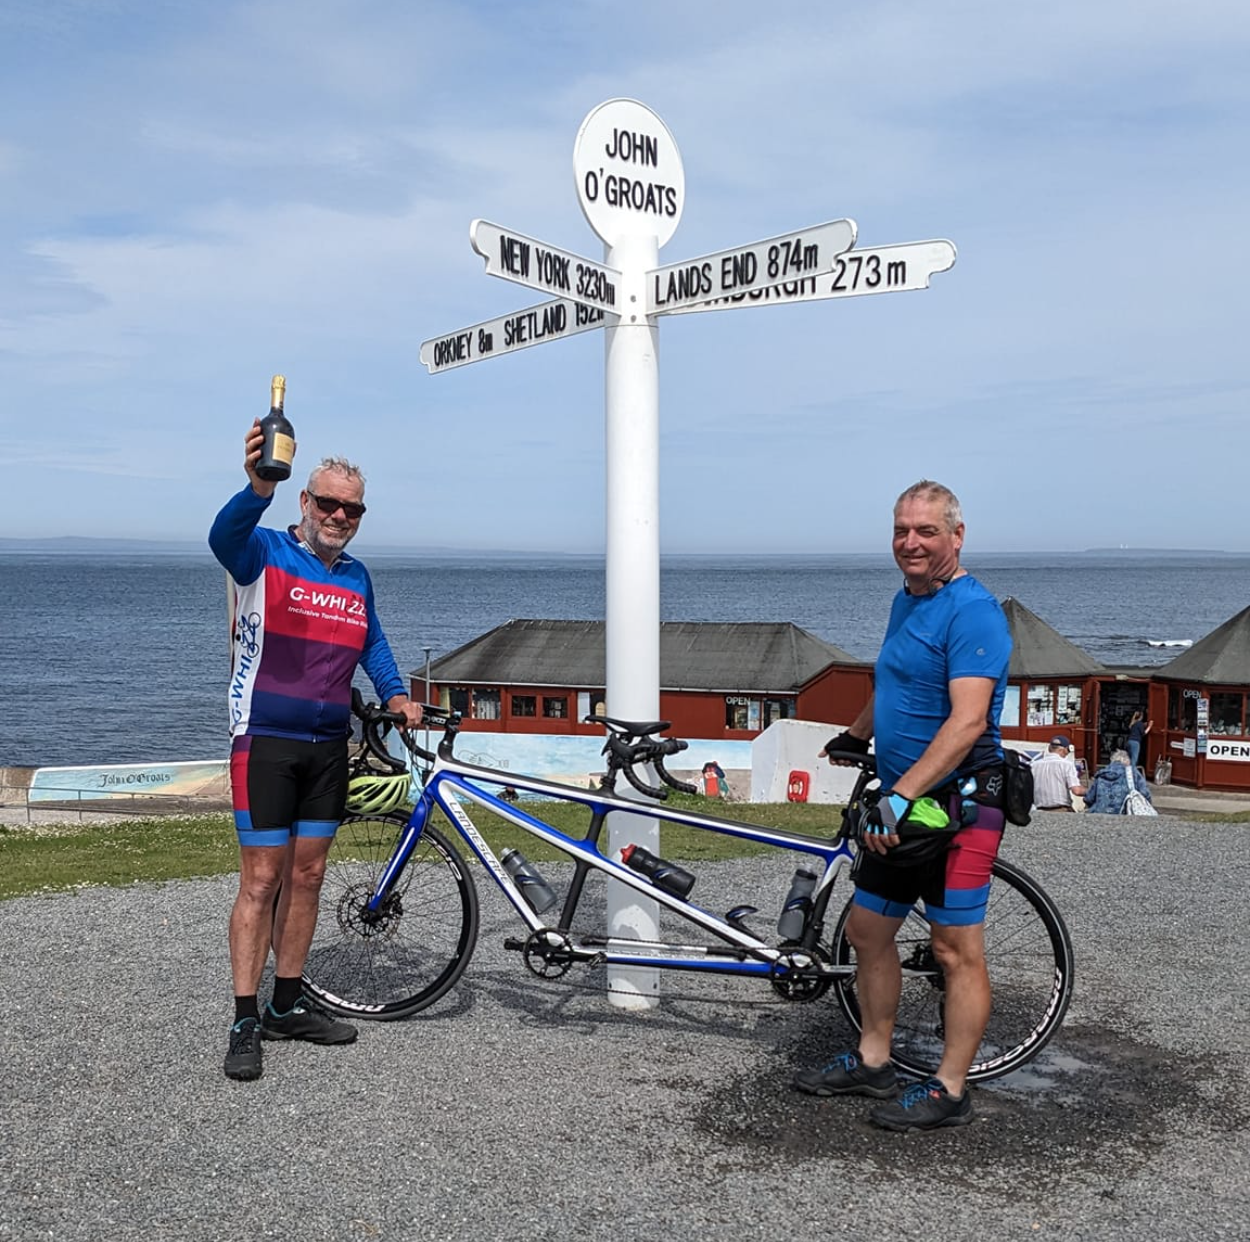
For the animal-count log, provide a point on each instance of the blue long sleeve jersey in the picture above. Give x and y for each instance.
(300, 629)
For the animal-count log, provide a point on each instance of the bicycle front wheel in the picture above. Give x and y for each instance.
(401, 958)
(1029, 955)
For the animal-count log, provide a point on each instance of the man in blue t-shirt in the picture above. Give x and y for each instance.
(938, 693)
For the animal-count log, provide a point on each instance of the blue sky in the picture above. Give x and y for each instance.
(194, 196)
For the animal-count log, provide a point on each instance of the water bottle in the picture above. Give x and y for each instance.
(666, 875)
(525, 875)
(798, 903)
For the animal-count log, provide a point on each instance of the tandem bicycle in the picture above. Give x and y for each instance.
(399, 914)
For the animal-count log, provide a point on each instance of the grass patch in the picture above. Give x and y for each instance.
(678, 842)
(41, 859)
(55, 859)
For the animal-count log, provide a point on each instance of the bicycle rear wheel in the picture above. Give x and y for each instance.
(1029, 955)
(401, 959)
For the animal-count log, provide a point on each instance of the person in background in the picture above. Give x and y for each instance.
(1138, 727)
(1055, 778)
(940, 681)
(1109, 788)
(304, 619)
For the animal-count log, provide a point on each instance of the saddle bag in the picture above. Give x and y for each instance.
(1017, 787)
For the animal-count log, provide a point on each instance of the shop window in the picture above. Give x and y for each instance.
(458, 700)
(556, 708)
(1009, 717)
(486, 705)
(523, 705)
(778, 709)
(1067, 705)
(1228, 713)
(1041, 706)
(741, 713)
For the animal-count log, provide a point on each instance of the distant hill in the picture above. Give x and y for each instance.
(1156, 553)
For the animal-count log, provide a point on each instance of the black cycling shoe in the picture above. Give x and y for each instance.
(846, 1074)
(243, 1058)
(305, 1022)
(924, 1106)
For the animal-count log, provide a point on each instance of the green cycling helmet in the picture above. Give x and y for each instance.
(372, 793)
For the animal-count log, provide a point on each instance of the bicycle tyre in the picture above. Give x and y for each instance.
(1029, 955)
(418, 945)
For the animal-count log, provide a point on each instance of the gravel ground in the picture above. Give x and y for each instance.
(520, 1108)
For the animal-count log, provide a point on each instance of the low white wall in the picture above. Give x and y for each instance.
(794, 746)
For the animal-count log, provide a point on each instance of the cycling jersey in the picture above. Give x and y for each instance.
(300, 629)
(958, 631)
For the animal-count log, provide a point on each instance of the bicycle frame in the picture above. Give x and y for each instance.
(451, 780)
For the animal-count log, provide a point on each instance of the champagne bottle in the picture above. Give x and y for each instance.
(279, 446)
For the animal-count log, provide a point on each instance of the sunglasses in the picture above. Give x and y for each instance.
(331, 504)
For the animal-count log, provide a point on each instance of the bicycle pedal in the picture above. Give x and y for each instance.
(735, 916)
(513, 944)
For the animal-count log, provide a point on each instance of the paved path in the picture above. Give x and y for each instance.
(524, 1110)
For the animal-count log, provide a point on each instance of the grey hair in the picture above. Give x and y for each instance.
(927, 489)
(1120, 756)
(336, 465)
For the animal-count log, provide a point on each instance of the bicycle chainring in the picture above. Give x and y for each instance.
(797, 975)
(548, 953)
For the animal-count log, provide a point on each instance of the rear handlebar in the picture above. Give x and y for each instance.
(629, 744)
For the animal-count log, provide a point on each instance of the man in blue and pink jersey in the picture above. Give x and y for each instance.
(938, 693)
(303, 620)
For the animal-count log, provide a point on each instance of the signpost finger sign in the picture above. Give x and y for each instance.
(762, 264)
(548, 321)
(855, 273)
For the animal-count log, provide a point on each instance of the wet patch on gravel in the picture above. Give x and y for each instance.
(1094, 1104)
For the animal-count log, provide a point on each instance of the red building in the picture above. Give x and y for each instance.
(717, 679)
(732, 680)
(1199, 707)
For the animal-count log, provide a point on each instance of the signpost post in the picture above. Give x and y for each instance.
(632, 187)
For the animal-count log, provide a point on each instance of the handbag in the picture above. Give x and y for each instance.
(1136, 803)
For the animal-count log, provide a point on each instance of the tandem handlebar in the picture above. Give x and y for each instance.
(629, 743)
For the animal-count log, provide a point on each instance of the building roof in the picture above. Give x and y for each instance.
(1038, 650)
(732, 657)
(1221, 658)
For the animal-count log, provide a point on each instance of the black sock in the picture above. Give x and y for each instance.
(245, 1007)
(286, 992)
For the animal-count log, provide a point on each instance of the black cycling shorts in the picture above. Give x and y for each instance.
(282, 788)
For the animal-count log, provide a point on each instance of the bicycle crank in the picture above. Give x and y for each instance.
(798, 975)
(548, 953)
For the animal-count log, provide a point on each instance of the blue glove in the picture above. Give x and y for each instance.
(883, 819)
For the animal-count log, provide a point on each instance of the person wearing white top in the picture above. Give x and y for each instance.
(1055, 778)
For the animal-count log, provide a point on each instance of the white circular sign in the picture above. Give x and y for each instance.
(630, 181)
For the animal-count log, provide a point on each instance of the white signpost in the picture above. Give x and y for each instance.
(632, 190)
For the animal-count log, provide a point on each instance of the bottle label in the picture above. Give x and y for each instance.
(283, 448)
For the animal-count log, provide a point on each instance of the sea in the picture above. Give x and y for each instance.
(124, 657)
